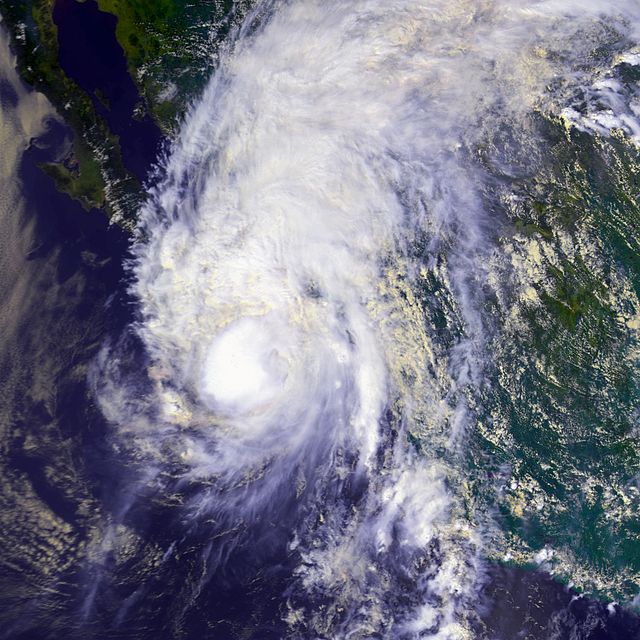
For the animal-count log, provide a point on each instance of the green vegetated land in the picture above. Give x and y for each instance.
(555, 455)
(170, 47)
(34, 37)
(562, 410)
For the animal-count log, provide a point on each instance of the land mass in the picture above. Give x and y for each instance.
(164, 49)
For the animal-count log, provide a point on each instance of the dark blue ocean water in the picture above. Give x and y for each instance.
(75, 260)
(90, 54)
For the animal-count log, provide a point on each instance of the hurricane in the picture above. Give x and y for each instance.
(291, 382)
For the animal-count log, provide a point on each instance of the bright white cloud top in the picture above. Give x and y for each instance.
(328, 167)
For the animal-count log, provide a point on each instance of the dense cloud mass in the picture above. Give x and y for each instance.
(330, 166)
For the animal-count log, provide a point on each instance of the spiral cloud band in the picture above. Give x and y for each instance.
(328, 170)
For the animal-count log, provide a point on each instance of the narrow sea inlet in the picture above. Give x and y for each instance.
(365, 365)
(90, 55)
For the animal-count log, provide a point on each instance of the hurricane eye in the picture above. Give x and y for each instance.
(242, 371)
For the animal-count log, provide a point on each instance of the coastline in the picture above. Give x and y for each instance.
(66, 284)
